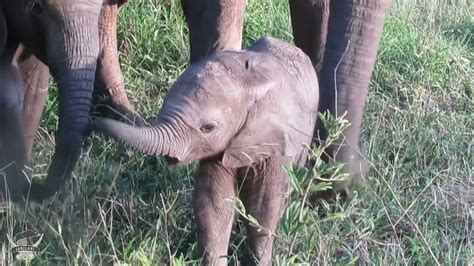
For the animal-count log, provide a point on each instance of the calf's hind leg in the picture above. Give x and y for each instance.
(213, 210)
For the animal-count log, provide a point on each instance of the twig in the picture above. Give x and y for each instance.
(335, 74)
(416, 199)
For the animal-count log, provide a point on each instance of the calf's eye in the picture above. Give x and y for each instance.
(208, 127)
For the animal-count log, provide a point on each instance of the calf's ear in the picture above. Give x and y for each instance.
(272, 128)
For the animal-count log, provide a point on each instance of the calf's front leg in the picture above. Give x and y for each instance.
(264, 190)
(213, 210)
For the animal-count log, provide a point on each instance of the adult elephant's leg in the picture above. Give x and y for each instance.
(309, 20)
(355, 28)
(213, 211)
(12, 146)
(214, 25)
(109, 80)
(35, 77)
(263, 194)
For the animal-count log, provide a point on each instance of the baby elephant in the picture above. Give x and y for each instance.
(243, 114)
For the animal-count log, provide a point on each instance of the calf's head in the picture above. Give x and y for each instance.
(242, 105)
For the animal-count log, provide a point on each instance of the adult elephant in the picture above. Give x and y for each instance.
(75, 41)
(340, 36)
(109, 87)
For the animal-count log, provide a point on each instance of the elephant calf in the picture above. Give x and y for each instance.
(243, 114)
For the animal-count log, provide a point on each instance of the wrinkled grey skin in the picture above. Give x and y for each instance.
(109, 81)
(109, 87)
(11, 147)
(242, 114)
(76, 40)
(64, 35)
(340, 36)
(35, 76)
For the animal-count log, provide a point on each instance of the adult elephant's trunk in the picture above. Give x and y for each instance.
(153, 140)
(72, 59)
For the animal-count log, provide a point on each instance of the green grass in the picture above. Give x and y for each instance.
(416, 206)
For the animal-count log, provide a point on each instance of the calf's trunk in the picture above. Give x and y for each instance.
(152, 140)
